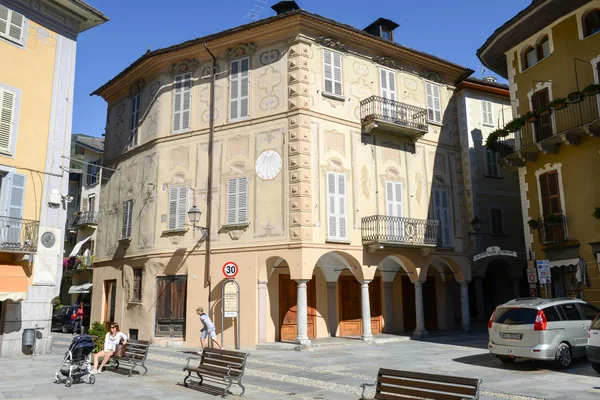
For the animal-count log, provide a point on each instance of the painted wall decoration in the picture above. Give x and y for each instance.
(268, 81)
(239, 144)
(361, 87)
(180, 156)
(119, 140)
(269, 57)
(147, 219)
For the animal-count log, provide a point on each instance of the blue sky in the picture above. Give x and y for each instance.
(450, 29)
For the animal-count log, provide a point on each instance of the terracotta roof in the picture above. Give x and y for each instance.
(251, 25)
(91, 142)
(529, 21)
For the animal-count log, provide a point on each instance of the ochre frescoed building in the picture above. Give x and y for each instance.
(550, 52)
(338, 186)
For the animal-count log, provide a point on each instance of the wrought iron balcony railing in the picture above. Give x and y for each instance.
(552, 229)
(87, 218)
(18, 235)
(400, 231)
(377, 108)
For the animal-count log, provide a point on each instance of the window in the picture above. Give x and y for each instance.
(497, 221)
(551, 314)
(135, 119)
(178, 200)
(487, 112)
(127, 219)
(11, 25)
(137, 285)
(237, 201)
(239, 91)
(387, 81)
(93, 169)
(515, 316)
(550, 194)
(79, 149)
(92, 203)
(11, 235)
(434, 108)
(336, 206)
(544, 47)
(182, 94)
(543, 124)
(386, 34)
(591, 22)
(491, 163)
(8, 106)
(394, 208)
(571, 312)
(110, 299)
(530, 57)
(441, 211)
(590, 312)
(332, 67)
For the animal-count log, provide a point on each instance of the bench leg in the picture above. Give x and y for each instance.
(226, 391)
(243, 388)
(186, 379)
(145, 369)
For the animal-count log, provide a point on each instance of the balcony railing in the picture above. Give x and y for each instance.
(87, 218)
(549, 129)
(400, 231)
(405, 116)
(552, 229)
(18, 235)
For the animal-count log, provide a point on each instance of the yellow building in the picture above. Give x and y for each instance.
(36, 92)
(550, 53)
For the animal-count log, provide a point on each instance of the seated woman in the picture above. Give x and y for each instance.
(112, 339)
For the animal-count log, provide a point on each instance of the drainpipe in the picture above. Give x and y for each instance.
(211, 136)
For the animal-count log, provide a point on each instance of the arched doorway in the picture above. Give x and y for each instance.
(497, 285)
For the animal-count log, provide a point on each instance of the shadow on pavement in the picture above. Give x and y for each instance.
(476, 340)
(204, 388)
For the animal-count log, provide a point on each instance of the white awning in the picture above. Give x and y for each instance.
(567, 262)
(76, 289)
(13, 296)
(78, 247)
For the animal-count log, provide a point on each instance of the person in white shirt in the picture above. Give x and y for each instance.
(112, 339)
(208, 328)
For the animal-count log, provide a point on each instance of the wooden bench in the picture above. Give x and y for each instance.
(221, 365)
(136, 352)
(393, 384)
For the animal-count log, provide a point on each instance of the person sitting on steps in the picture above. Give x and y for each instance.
(208, 328)
(112, 339)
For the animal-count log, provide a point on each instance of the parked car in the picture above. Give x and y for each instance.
(61, 319)
(593, 344)
(541, 329)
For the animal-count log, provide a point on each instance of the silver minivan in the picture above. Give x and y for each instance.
(541, 329)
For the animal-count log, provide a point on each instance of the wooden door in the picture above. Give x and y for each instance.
(351, 306)
(543, 125)
(110, 298)
(170, 306)
(288, 308)
(429, 304)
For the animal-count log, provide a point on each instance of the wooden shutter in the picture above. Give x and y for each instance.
(342, 217)
(127, 218)
(239, 92)
(543, 124)
(331, 206)
(135, 119)
(394, 199)
(182, 93)
(17, 196)
(434, 109)
(92, 203)
(442, 214)
(242, 202)
(8, 105)
(491, 163)
(332, 69)
(387, 84)
(488, 116)
(11, 24)
(550, 194)
(182, 202)
(84, 204)
(137, 284)
(173, 196)
(237, 201)
(336, 210)
(497, 221)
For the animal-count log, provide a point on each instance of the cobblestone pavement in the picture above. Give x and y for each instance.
(325, 373)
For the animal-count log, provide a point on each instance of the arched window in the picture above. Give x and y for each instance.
(544, 47)
(529, 57)
(591, 22)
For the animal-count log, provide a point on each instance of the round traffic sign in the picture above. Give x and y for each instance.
(230, 269)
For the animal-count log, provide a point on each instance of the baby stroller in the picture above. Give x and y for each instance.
(77, 361)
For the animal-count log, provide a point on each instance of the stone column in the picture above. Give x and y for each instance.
(332, 308)
(302, 337)
(464, 306)
(479, 298)
(367, 336)
(420, 330)
(262, 311)
(388, 296)
(516, 288)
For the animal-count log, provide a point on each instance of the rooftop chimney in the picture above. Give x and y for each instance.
(384, 28)
(285, 6)
(490, 79)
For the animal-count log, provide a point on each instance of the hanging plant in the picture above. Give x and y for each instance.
(558, 104)
(515, 124)
(591, 90)
(533, 223)
(491, 143)
(553, 219)
(574, 97)
(596, 213)
(542, 111)
(530, 117)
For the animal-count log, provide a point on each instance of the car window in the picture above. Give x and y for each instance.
(571, 312)
(551, 314)
(596, 324)
(515, 316)
(65, 310)
(589, 311)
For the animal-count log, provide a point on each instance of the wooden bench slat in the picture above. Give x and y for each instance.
(217, 372)
(223, 363)
(234, 360)
(418, 393)
(428, 385)
(424, 376)
(231, 353)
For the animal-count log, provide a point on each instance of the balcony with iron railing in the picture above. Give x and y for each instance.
(552, 229)
(86, 218)
(563, 124)
(379, 230)
(18, 235)
(381, 114)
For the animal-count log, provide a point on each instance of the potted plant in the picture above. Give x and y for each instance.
(515, 124)
(533, 223)
(543, 111)
(591, 90)
(596, 213)
(491, 142)
(574, 97)
(553, 219)
(558, 104)
(530, 117)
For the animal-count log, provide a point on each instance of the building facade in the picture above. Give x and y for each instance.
(337, 191)
(36, 91)
(493, 197)
(550, 54)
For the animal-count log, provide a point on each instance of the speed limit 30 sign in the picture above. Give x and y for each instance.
(230, 269)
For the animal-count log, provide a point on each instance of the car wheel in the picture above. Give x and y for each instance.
(596, 367)
(563, 356)
(507, 360)
(64, 328)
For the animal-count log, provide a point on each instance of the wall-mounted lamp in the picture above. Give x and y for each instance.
(194, 214)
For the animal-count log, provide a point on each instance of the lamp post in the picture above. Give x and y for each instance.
(194, 214)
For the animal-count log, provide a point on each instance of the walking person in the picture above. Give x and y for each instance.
(78, 319)
(112, 339)
(208, 328)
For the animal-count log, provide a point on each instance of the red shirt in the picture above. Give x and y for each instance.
(79, 313)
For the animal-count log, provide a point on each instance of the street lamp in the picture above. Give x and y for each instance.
(476, 224)
(194, 216)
